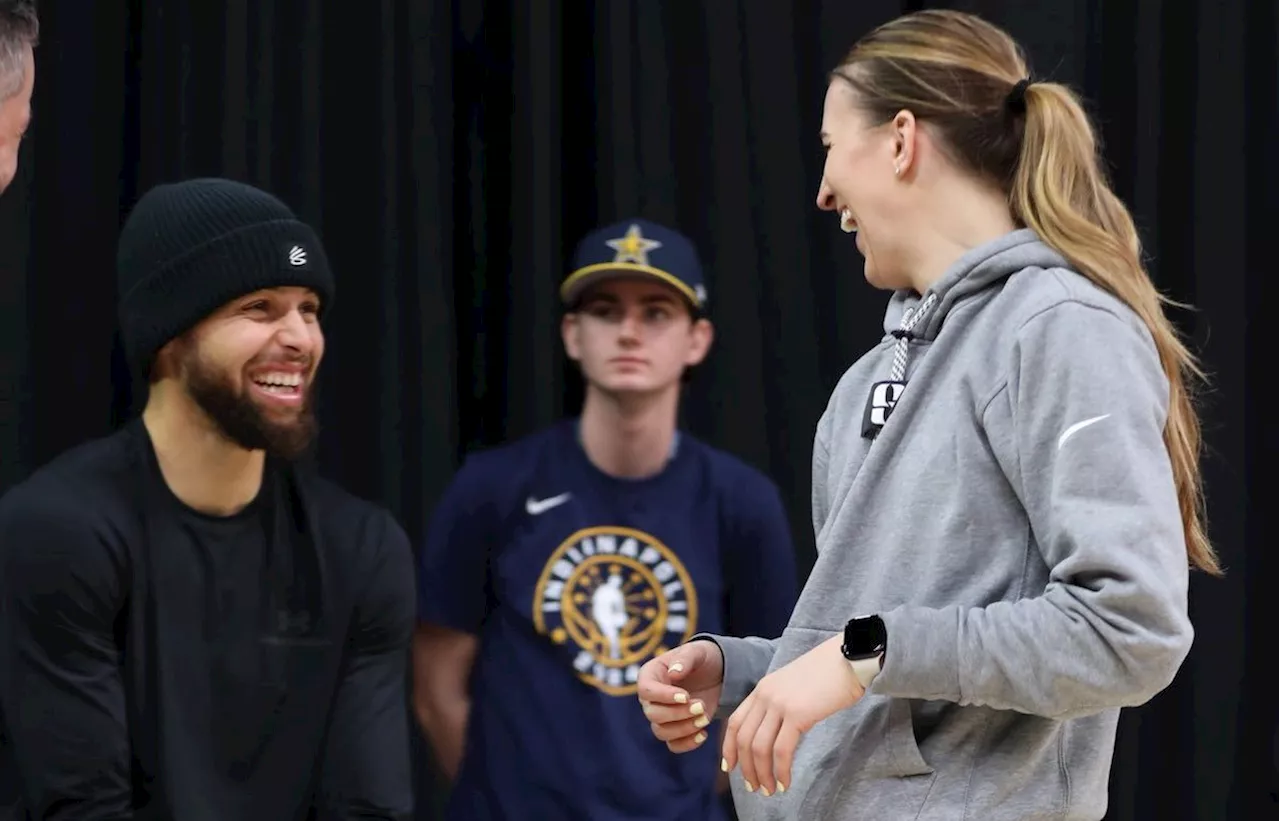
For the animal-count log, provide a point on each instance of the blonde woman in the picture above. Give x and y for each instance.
(1006, 491)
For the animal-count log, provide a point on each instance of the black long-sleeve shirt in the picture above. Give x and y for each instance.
(159, 664)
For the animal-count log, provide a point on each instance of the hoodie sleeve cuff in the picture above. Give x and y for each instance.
(921, 657)
(746, 661)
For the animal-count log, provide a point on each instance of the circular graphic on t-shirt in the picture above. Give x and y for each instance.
(613, 598)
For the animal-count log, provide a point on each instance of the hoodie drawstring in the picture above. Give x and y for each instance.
(899, 371)
(884, 395)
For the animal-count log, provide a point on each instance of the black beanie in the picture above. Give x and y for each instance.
(188, 248)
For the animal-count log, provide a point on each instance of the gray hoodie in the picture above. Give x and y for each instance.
(1016, 526)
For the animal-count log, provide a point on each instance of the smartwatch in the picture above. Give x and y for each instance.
(864, 646)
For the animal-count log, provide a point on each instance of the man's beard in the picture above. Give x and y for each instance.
(239, 418)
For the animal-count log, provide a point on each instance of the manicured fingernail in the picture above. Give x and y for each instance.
(781, 788)
(676, 668)
(724, 765)
(701, 721)
(681, 698)
(696, 708)
(750, 787)
(699, 738)
(764, 791)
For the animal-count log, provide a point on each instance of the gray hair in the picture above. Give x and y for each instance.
(19, 28)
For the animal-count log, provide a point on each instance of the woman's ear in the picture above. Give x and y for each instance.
(904, 142)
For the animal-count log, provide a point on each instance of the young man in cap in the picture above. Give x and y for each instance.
(191, 626)
(557, 565)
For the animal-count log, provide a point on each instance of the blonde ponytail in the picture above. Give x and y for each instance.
(1058, 191)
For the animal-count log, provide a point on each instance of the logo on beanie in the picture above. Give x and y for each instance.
(297, 256)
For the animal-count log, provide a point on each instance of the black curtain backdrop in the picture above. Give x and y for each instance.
(451, 153)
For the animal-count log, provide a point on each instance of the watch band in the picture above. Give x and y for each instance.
(866, 670)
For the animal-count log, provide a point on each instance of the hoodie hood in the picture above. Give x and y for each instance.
(975, 270)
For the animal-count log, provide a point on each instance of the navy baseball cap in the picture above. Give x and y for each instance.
(634, 248)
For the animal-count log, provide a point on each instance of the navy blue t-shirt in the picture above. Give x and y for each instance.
(573, 579)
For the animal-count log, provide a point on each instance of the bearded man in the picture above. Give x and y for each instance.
(192, 625)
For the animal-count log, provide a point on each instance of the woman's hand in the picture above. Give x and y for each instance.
(762, 734)
(679, 692)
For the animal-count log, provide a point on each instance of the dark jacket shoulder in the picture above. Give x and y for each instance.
(89, 486)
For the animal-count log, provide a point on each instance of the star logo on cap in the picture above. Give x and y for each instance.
(633, 247)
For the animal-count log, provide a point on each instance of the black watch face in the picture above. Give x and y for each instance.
(864, 637)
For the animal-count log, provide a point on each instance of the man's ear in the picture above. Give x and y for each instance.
(167, 363)
(569, 333)
(701, 335)
(164, 364)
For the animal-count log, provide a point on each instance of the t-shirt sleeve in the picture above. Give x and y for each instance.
(61, 691)
(453, 568)
(760, 560)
